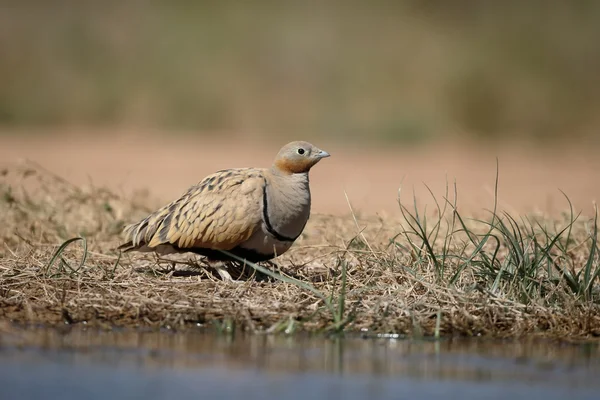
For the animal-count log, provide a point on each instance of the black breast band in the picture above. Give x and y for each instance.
(276, 235)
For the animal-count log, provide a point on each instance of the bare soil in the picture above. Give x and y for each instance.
(530, 178)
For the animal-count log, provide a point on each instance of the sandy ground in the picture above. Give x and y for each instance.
(530, 178)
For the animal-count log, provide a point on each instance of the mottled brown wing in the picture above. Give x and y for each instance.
(220, 212)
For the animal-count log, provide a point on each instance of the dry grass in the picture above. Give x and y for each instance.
(424, 275)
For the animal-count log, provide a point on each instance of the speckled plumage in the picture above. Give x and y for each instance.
(254, 213)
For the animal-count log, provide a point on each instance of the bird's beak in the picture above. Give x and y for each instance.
(322, 154)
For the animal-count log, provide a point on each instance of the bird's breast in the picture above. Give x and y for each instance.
(286, 207)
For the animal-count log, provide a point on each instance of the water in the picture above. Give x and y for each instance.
(88, 364)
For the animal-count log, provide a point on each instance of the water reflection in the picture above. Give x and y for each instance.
(475, 360)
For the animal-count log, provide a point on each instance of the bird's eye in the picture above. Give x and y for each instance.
(301, 151)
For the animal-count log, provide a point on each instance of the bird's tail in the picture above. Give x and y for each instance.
(138, 235)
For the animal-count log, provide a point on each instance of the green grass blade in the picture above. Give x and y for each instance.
(58, 253)
(588, 274)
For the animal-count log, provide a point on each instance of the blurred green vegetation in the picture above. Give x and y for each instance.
(402, 71)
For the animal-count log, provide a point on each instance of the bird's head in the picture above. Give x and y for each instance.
(298, 157)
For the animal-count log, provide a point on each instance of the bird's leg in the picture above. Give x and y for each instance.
(248, 272)
(205, 263)
(243, 270)
(221, 268)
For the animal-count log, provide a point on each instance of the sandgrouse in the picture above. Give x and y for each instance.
(253, 213)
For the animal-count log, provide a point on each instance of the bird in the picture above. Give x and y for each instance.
(255, 214)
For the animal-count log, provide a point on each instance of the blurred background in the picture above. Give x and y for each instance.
(497, 77)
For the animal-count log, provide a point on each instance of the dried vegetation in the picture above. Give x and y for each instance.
(432, 274)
